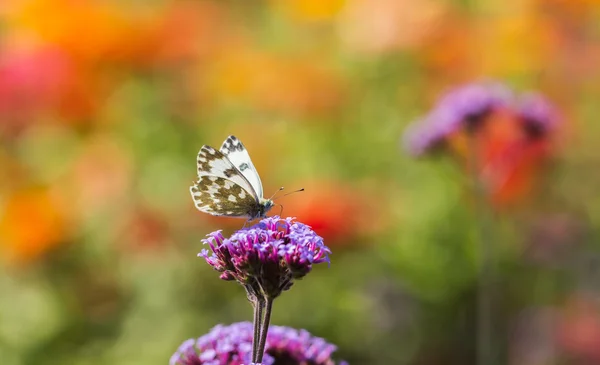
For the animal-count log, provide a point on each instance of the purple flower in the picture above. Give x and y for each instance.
(463, 107)
(538, 114)
(232, 345)
(267, 257)
(421, 137)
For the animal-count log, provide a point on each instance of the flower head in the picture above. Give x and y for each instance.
(499, 137)
(232, 345)
(267, 257)
(464, 107)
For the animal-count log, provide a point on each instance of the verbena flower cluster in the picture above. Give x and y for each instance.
(232, 345)
(467, 107)
(267, 257)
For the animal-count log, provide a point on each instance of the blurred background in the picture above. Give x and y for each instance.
(105, 104)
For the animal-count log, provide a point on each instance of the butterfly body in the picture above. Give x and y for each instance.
(228, 184)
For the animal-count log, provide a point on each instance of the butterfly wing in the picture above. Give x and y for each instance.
(211, 162)
(219, 196)
(235, 151)
(221, 189)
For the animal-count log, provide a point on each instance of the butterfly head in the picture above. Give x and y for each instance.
(264, 206)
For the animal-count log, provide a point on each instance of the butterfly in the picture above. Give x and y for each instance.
(228, 184)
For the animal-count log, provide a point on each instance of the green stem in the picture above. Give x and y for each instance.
(259, 306)
(264, 329)
(485, 238)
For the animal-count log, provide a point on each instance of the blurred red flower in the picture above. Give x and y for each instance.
(508, 162)
(336, 211)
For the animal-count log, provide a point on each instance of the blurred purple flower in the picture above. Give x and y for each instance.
(232, 345)
(463, 107)
(420, 137)
(267, 257)
(538, 114)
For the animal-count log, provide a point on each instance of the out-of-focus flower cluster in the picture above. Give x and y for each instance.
(466, 110)
(503, 138)
(232, 345)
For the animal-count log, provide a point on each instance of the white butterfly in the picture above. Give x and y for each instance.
(228, 184)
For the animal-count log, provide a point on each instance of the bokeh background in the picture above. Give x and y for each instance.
(104, 105)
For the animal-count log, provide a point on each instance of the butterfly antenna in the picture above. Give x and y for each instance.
(273, 196)
(292, 192)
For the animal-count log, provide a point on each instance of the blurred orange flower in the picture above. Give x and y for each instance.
(379, 26)
(310, 10)
(88, 29)
(189, 29)
(447, 53)
(516, 43)
(98, 32)
(292, 85)
(31, 223)
(502, 44)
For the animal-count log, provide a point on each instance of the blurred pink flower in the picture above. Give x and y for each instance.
(39, 80)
